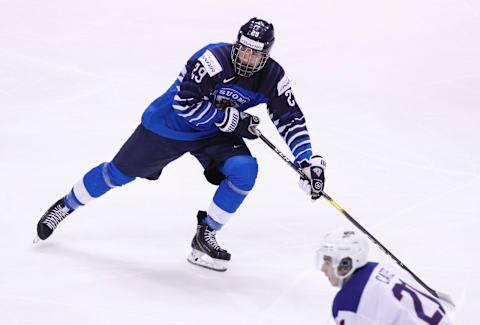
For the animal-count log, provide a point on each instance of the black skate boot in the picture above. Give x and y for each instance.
(206, 251)
(50, 220)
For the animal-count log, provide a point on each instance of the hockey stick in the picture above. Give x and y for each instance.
(440, 295)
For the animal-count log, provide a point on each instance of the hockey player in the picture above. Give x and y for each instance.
(202, 113)
(372, 293)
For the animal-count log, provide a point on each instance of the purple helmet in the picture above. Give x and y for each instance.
(252, 47)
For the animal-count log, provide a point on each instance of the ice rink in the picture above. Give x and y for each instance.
(391, 94)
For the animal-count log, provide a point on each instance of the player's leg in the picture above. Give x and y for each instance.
(240, 175)
(229, 164)
(92, 185)
(143, 155)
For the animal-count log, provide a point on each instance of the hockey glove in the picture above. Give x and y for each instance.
(315, 173)
(239, 123)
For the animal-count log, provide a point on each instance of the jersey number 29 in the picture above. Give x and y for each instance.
(198, 73)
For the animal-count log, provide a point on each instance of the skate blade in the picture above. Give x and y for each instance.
(36, 239)
(199, 258)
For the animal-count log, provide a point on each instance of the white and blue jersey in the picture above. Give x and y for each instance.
(375, 294)
(208, 84)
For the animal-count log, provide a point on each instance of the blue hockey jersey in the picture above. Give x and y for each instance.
(208, 84)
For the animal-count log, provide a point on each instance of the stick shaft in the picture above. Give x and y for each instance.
(347, 215)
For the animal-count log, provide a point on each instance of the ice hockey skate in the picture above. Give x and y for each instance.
(50, 220)
(206, 252)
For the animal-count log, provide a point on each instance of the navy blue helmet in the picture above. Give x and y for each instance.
(252, 47)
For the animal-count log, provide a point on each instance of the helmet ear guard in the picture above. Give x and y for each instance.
(345, 268)
(252, 48)
(347, 249)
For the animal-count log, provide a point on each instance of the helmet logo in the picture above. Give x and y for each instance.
(255, 33)
(256, 28)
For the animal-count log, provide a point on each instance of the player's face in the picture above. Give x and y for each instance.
(249, 57)
(327, 269)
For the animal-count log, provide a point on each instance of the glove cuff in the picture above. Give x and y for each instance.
(313, 160)
(230, 122)
(317, 160)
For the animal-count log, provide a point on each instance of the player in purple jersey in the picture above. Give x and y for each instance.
(203, 113)
(372, 293)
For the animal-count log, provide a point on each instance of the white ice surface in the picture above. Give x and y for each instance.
(391, 92)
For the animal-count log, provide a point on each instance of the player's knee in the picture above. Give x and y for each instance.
(113, 176)
(241, 171)
(98, 181)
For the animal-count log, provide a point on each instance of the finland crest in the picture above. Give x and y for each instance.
(229, 97)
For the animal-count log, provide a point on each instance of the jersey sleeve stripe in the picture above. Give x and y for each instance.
(302, 152)
(192, 111)
(179, 99)
(209, 119)
(287, 126)
(304, 126)
(296, 146)
(296, 136)
(180, 107)
(202, 113)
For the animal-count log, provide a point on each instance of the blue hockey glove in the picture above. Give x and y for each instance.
(314, 182)
(239, 123)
